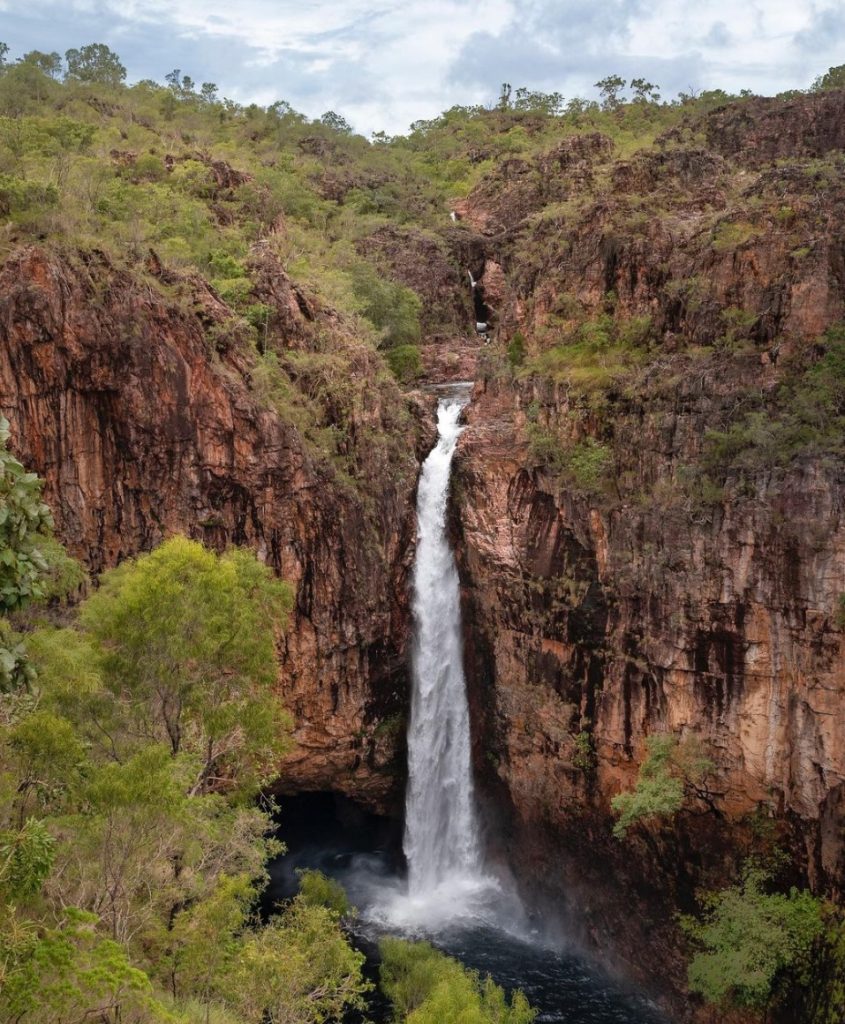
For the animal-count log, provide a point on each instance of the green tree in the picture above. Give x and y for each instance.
(610, 88)
(25, 522)
(392, 309)
(48, 63)
(202, 947)
(145, 847)
(298, 969)
(95, 63)
(336, 122)
(23, 88)
(751, 944)
(834, 78)
(188, 642)
(671, 771)
(645, 91)
(536, 102)
(69, 973)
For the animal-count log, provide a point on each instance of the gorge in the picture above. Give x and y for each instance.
(644, 532)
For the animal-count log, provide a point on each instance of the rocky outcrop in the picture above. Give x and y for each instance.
(599, 617)
(143, 415)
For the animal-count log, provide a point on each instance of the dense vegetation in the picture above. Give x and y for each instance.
(759, 943)
(427, 987)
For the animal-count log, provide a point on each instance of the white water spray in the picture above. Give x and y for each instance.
(448, 882)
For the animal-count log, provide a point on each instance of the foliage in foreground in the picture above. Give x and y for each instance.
(427, 987)
(132, 851)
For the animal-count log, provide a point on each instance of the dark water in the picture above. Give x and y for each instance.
(363, 853)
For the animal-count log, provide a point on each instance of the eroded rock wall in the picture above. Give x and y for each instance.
(595, 620)
(140, 429)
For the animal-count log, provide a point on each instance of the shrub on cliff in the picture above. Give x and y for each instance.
(752, 944)
(806, 415)
(671, 771)
(392, 309)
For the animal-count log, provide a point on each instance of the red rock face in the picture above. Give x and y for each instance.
(641, 612)
(115, 399)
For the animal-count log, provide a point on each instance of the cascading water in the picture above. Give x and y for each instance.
(447, 881)
(441, 832)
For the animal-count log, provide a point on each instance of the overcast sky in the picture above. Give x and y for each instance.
(386, 63)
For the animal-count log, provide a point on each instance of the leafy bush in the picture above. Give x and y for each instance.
(427, 987)
(25, 524)
(318, 890)
(670, 769)
(658, 792)
(584, 465)
(750, 942)
(392, 309)
(730, 235)
(588, 464)
(298, 969)
(595, 354)
(583, 752)
(19, 196)
(516, 350)
(405, 362)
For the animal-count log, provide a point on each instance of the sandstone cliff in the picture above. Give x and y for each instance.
(144, 415)
(681, 594)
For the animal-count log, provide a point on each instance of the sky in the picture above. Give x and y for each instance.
(386, 63)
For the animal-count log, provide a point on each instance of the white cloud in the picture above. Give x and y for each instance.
(386, 63)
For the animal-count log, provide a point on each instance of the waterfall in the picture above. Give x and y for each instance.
(441, 833)
(449, 884)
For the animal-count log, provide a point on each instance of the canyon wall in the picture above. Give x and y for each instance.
(677, 596)
(146, 418)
